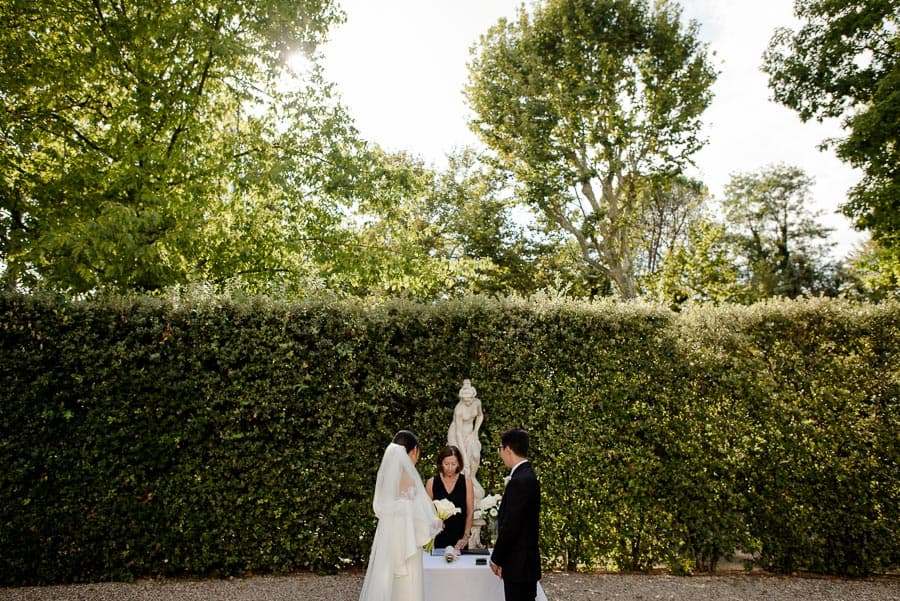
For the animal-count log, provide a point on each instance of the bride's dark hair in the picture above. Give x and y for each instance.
(409, 440)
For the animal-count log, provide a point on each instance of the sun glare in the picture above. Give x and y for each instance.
(298, 67)
(298, 63)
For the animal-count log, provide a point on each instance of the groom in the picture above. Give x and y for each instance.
(515, 558)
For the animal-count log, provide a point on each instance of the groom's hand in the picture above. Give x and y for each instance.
(497, 570)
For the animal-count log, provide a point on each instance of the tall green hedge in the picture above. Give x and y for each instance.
(216, 436)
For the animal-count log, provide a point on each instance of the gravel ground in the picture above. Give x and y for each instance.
(559, 586)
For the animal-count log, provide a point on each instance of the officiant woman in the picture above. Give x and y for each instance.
(450, 483)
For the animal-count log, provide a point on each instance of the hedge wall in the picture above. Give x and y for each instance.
(219, 437)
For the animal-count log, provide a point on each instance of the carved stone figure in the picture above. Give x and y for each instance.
(463, 434)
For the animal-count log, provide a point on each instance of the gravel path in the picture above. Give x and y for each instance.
(559, 586)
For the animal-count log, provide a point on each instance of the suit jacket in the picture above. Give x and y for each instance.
(516, 548)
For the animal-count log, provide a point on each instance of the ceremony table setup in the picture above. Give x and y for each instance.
(463, 579)
(448, 574)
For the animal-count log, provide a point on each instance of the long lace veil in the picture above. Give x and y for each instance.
(406, 522)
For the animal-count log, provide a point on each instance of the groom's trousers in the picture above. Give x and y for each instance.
(519, 591)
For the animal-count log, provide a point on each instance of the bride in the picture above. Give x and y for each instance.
(406, 522)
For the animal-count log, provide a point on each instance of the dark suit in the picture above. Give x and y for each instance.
(516, 549)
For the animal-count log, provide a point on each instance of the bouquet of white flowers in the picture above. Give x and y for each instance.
(445, 508)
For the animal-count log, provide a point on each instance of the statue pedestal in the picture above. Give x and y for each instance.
(475, 535)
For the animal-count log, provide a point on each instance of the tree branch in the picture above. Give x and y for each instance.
(198, 90)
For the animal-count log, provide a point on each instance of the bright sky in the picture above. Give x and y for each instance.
(400, 67)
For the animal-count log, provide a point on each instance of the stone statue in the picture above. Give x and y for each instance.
(463, 434)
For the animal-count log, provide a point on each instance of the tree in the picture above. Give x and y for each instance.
(845, 62)
(872, 273)
(440, 234)
(485, 221)
(472, 203)
(671, 206)
(397, 243)
(777, 237)
(698, 269)
(585, 103)
(684, 253)
(151, 143)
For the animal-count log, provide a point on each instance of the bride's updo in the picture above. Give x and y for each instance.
(406, 438)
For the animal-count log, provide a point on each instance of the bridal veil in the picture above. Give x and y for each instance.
(406, 522)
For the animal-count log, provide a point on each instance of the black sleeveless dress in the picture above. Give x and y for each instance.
(455, 525)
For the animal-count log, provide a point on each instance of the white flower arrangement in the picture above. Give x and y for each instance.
(490, 507)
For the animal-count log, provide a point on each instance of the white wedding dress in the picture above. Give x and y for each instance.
(406, 522)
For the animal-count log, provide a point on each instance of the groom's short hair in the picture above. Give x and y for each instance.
(516, 440)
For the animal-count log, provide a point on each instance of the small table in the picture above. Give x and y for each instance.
(462, 580)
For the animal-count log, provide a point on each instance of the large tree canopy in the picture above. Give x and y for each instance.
(587, 102)
(143, 144)
(780, 243)
(845, 62)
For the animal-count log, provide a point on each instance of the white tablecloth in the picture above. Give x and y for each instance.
(462, 580)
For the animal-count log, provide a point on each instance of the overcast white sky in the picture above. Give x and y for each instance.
(400, 67)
